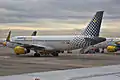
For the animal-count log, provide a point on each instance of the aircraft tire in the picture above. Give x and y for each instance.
(36, 55)
(62, 51)
(102, 51)
(17, 54)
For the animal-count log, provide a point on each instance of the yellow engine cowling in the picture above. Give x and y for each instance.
(111, 49)
(4, 43)
(19, 50)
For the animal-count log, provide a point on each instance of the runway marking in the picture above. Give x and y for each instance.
(95, 75)
(5, 57)
(62, 64)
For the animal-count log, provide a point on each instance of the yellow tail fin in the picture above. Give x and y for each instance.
(8, 37)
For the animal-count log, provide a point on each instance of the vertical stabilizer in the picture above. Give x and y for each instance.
(34, 33)
(8, 37)
(93, 27)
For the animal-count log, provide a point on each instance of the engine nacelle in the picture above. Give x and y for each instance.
(4, 43)
(111, 48)
(21, 50)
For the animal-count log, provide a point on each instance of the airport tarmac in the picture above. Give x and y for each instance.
(12, 64)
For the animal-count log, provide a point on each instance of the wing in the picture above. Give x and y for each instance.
(34, 46)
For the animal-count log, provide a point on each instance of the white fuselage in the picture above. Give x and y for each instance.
(55, 42)
(60, 42)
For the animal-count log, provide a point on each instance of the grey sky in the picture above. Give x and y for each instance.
(57, 14)
(22, 11)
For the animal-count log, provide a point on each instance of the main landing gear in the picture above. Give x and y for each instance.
(102, 50)
(55, 54)
(38, 54)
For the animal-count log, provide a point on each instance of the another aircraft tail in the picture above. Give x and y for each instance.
(93, 27)
(34, 33)
(8, 37)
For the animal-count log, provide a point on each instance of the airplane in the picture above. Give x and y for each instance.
(111, 45)
(43, 45)
(3, 43)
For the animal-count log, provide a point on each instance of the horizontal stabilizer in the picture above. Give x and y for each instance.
(95, 40)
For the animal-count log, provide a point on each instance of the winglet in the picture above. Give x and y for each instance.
(34, 33)
(8, 37)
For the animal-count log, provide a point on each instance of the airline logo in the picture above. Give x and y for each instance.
(24, 38)
(20, 37)
(94, 20)
(28, 38)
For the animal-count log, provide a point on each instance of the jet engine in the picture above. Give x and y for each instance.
(21, 50)
(4, 43)
(111, 48)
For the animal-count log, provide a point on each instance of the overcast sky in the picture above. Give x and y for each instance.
(57, 14)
